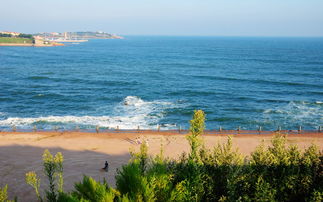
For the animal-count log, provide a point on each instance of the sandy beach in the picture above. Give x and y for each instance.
(85, 153)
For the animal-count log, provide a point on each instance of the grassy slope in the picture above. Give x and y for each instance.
(14, 40)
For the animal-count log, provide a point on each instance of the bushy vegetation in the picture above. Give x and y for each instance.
(277, 172)
(53, 170)
(27, 36)
(5, 35)
(15, 40)
(21, 38)
(274, 173)
(4, 195)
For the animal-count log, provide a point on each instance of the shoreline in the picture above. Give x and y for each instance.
(30, 45)
(117, 133)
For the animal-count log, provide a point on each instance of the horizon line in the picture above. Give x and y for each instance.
(188, 35)
(240, 36)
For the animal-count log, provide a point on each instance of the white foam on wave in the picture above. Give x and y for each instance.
(268, 111)
(134, 112)
(306, 113)
(128, 114)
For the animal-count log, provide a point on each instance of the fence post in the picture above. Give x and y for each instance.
(238, 129)
(179, 129)
(14, 129)
(279, 128)
(220, 129)
(97, 129)
(259, 129)
(138, 129)
(299, 129)
(320, 129)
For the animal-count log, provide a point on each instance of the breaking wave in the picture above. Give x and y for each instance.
(297, 113)
(128, 114)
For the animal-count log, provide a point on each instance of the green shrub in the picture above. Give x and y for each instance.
(317, 196)
(197, 126)
(132, 178)
(53, 170)
(263, 191)
(34, 181)
(90, 190)
(4, 195)
(274, 173)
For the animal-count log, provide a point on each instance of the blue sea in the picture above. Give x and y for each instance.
(148, 81)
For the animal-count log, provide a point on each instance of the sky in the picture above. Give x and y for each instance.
(166, 17)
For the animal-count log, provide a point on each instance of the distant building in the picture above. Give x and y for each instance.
(39, 37)
(55, 33)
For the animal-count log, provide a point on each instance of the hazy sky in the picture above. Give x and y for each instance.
(166, 17)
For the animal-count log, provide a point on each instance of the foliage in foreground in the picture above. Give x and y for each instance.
(53, 170)
(277, 172)
(4, 195)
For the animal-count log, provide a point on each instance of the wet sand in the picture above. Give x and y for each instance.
(85, 153)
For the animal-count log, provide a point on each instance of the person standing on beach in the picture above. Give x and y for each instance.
(106, 166)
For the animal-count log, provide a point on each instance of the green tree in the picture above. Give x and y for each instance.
(5, 35)
(28, 36)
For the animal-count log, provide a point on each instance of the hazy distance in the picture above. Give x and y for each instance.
(166, 17)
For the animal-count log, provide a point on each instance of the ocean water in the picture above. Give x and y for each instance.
(148, 81)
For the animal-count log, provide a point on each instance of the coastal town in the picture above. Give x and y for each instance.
(48, 39)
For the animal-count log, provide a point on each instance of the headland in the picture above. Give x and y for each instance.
(44, 39)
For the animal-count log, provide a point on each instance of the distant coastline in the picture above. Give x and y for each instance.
(31, 44)
(75, 36)
(26, 40)
(44, 39)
